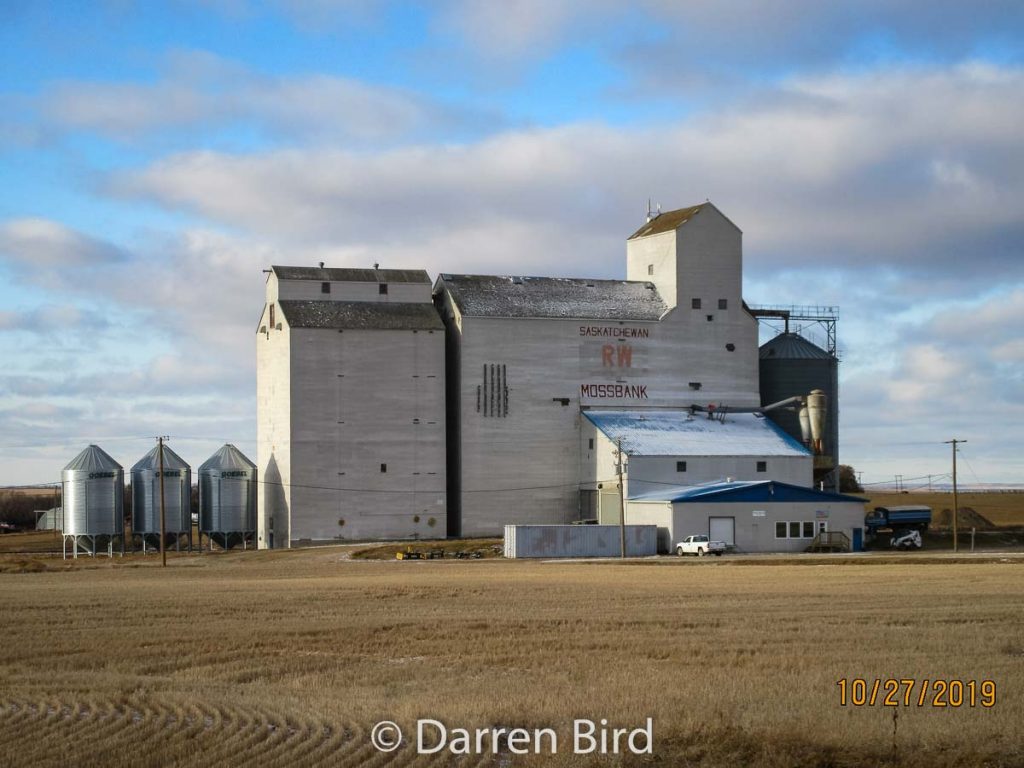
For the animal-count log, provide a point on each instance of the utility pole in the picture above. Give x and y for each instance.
(163, 518)
(622, 499)
(954, 443)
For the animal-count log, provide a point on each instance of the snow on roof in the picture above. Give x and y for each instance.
(678, 433)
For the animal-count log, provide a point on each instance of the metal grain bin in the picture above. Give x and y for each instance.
(791, 365)
(146, 494)
(93, 492)
(579, 541)
(227, 497)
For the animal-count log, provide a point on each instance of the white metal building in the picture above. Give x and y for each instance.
(758, 516)
(512, 391)
(350, 404)
(669, 448)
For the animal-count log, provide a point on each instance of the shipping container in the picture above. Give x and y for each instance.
(579, 541)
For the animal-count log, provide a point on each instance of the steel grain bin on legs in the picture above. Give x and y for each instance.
(146, 497)
(93, 492)
(227, 498)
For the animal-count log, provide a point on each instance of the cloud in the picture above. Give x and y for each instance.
(200, 91)
(848, 171)
(508, 30)
(54, 318)
(668, 41)
(33, 242)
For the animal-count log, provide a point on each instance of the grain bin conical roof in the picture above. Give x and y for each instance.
(227, 457)
(793, 346)
(92, 459)
(152, 460)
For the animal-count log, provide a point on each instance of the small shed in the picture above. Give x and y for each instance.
(753, 516)
(50, 519)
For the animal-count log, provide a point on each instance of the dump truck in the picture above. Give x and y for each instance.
(905, 518)
(904, 522)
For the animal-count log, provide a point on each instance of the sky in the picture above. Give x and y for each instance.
(157, 157)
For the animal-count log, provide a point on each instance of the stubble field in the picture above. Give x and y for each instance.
(290, 658)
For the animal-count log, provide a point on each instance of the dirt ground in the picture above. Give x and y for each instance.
(291, 657)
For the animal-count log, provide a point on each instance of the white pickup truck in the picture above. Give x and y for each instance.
(700, 545)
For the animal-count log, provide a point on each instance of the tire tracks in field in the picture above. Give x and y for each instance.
(48, 731)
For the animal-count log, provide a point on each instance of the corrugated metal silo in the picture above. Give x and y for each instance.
(791, 365)
(93, 492)
(146, 497)
(227, 498)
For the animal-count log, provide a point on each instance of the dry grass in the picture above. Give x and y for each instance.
(38, 542)
(290, 657)
(999, 508)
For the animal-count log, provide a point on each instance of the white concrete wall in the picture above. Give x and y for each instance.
(702, 259)
(653, 473)
(645, 474)
(345, 291)
(521, 468)
(360, 399)
(652, 259)
(273, 432)
(332, 407)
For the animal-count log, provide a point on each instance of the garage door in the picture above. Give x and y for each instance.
(722, 529)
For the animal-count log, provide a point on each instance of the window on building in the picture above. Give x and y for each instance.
(762, 466)
(382, 289)
(710, 318)
(325, 287)
(723, 303)
(383, 467)
(794, 530)
(695, 385)
(695, 303)
(680, 466)
(271, 315)
(590, 444)
(650, 269)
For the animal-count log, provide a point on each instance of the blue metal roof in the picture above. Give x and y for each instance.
(680, 433)
(756, 491)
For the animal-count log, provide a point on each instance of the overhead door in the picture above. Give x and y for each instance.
(722, 529)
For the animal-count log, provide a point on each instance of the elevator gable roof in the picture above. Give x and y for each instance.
(362, 315)
(351, 275)
(552, 297)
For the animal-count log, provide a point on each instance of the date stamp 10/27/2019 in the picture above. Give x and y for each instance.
(914, 692)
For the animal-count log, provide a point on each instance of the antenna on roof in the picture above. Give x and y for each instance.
(651, 215)
(321, 265)
(376, 265)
